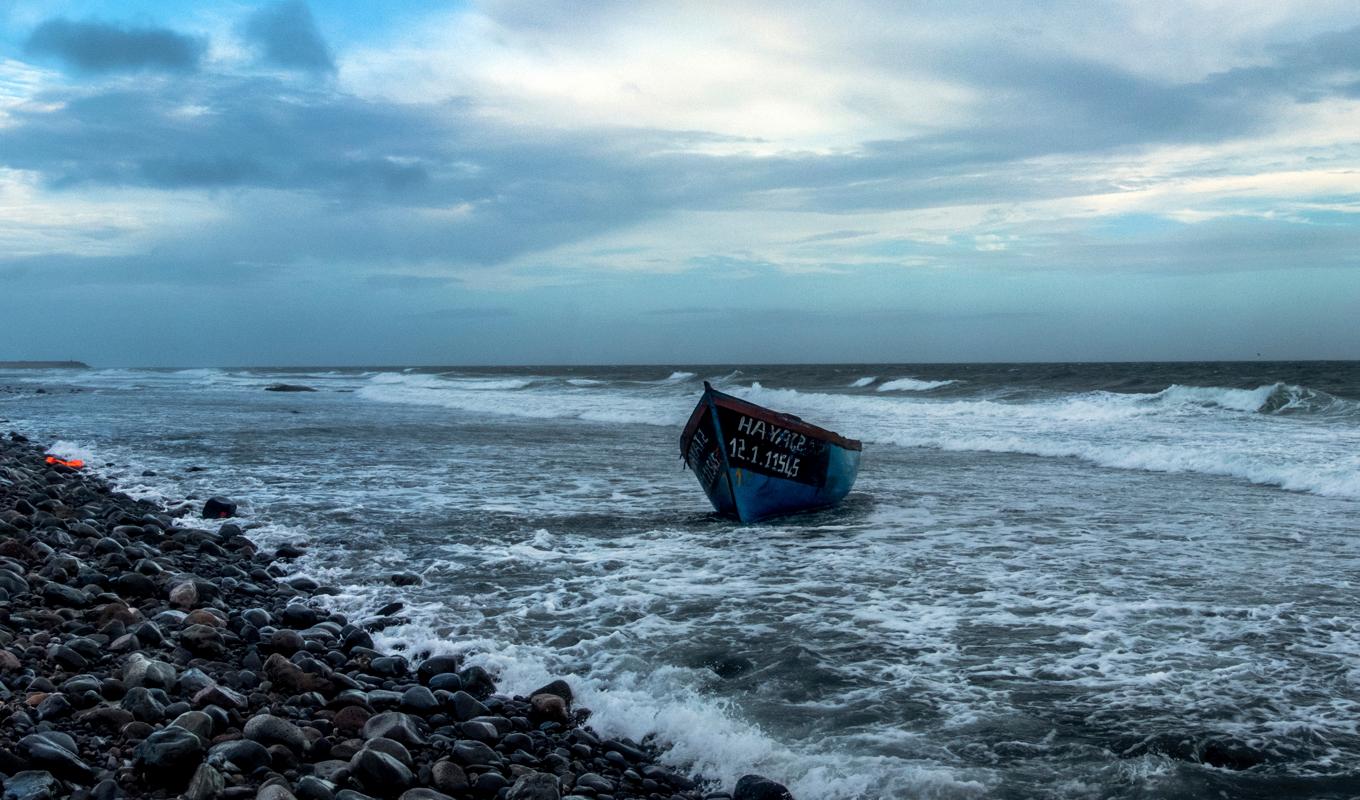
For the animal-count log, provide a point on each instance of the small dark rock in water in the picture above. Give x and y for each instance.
(477, 682)
(437, 665)
(289, 551)
(405, 579)
(218, 508)
(288, 387)
(558, 687)
(757, 787)
(547, 708)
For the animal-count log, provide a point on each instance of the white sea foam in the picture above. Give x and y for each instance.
(1211, 431)
(507, 399)
(1250, 400)
(1239, 433)
(860, 383)
(72, 450)
(911, 385)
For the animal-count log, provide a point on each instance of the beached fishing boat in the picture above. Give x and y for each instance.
(755, 463)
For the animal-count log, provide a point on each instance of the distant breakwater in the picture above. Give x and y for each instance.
(144, 656)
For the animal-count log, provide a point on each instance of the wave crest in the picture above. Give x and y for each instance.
(911, 385)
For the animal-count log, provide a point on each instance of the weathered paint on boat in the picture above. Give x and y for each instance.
(755, 463)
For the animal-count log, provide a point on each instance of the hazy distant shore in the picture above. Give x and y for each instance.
(43, 365)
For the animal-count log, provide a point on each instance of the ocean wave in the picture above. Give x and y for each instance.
(1178, 430)
(1275, 398)
(860, 383)
(911, 385)
(450, 380)
(516, 398)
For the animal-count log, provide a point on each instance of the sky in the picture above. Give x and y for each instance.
(235, 183)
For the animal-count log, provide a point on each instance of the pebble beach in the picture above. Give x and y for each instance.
(148, 651)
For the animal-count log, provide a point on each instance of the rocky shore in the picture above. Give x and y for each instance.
(145, 654)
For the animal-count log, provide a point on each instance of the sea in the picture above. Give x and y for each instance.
(1050, 580)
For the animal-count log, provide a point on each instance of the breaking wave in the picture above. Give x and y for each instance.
(912, 385)
(860, 383)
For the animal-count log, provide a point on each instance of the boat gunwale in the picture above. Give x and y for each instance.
(750, 409)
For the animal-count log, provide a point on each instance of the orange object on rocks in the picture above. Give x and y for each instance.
(74, 463)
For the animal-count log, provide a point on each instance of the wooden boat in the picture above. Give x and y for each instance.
(755, 463)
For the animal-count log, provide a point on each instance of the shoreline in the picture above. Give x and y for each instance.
(142, 655)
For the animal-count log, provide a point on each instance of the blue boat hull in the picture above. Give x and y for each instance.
(755, 463)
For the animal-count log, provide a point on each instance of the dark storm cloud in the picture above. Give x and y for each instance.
(104, 47)
(286, 36)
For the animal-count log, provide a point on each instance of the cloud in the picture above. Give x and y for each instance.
(303, 172)
(97, 47)
(286, 36)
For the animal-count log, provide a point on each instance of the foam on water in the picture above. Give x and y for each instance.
(911, 385)
(1181, 429)
(1178, 429)
(506, 398)
(860, 383)
(69, 450)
